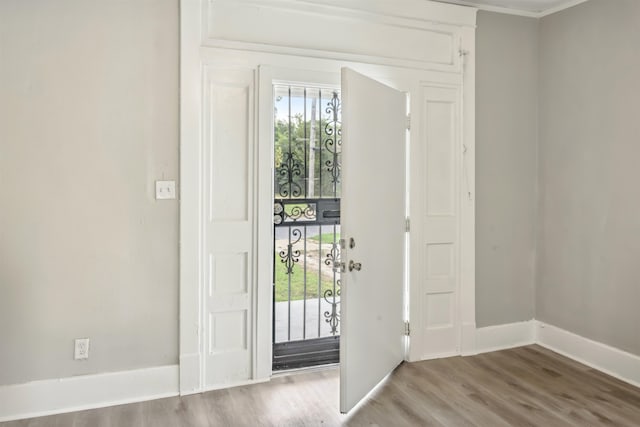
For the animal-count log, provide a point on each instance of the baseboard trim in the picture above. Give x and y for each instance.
(190, 374)
(501, 337)
(440, 355)
(468, 339)
(610, 360)
(235, 384)
(47, 397)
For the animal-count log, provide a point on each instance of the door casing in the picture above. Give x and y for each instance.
(312, 66)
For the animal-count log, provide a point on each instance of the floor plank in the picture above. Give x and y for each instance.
(527, 386)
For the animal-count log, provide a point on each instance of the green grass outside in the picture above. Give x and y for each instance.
(297, 281)
(326, 237)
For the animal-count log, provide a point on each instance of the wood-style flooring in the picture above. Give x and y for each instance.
(527, 386)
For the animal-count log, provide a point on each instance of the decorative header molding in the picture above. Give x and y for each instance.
(411, 33)
(518, 12)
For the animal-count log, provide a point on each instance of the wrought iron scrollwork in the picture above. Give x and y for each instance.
(293, 212)
(333, 317)
(333, 145)
(333, 142)
(288, 171)
(330, 295)
(290, 257)
(297, 212)
(333, 255)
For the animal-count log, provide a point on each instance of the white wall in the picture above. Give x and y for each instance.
(88, 121)
(506, 167)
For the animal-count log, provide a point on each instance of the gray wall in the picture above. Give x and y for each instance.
(589, 241)
(88, 121)
(506, 168)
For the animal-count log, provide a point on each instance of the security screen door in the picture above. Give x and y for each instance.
(373, 225)
(306, 219)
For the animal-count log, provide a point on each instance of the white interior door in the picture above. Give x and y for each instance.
(373, 214)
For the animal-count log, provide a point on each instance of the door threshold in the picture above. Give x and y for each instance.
(305, 353)
(305, 370)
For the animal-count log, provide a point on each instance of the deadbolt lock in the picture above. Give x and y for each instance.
(355, 266)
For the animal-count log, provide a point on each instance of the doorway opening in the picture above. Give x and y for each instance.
(306, 219)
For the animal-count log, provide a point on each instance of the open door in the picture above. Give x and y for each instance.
(373, 228)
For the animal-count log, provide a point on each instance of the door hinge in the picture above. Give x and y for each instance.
(407, 329)
(409, 121)
(407, 225)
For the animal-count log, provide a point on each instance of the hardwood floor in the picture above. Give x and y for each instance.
(527, 386)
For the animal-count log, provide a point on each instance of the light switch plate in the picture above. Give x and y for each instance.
(165, 190)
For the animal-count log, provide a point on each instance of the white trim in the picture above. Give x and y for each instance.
(234, 384)
(517, 12)
(412, 12)
(438, 356)
(330, 55)
(610, 360)
(468, 339)
(467, 193)
(496, 9)
(263, 302)
(560, 8)
(190, 373)
(263, 306)
(39, 398)
(236, 24)
(197, 52)
(501, 337)
(191, 370)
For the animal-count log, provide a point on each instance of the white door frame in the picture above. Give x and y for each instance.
(196, 51)
(190, 351)
(268, 76)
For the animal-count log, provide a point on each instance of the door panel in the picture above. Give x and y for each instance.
(440, 327)
(373, 214)
(228, 229)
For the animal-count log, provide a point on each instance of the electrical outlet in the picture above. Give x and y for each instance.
(81, 349)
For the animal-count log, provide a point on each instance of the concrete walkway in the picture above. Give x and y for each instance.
(297, 317)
